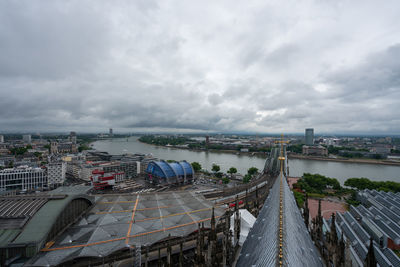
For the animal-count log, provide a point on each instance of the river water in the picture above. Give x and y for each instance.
(297, 167)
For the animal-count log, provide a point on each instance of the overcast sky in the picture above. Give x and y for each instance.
(254, 66)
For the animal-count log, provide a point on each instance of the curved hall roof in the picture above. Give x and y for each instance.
(168, 170)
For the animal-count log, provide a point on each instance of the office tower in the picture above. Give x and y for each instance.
(309, 138)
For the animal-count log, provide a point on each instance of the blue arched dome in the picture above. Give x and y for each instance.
(168, 171)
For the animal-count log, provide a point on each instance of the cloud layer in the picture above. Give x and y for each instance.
(260, 66)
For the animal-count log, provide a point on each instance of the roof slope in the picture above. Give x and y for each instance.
(261, 247)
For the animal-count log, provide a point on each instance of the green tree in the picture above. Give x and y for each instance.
(295, 148)
(47, 146)
(251, 171)
(225, 180)
(246, 178)
(232, 170)
(360, 183)
(299, 198)
(196, 166)
(215, 168)
(83, 147)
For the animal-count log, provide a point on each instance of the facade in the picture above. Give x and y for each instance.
(27, 138)
(101, 179)
(309, 137)
(130, 168)
(53, 148)
(56, 173)
(315, 150)
(23, 178)
(67, 147)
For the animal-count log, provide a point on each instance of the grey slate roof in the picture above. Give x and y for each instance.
(379, 220)
(261, 246)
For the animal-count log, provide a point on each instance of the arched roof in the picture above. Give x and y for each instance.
(38, 227)
(168, 170)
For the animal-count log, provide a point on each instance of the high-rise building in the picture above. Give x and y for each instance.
(23, 178)
(309, 138)
(72, 137)
(56, 173)
(111, 132)
(27, 138)
(1, 138)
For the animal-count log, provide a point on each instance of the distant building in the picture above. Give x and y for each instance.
(72, 137)
(380, 149)
(130, 168)
(23, 178)
(315, 150)
(27, 138)
(66, 147)
(53, 148)
(56, 173)
(309, 137)
(364, 154)
(1, 138)
(101, 179)
(111, 132)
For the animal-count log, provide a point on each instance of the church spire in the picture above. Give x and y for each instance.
(370, 260)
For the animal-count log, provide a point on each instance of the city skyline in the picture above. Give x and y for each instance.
(145, 66)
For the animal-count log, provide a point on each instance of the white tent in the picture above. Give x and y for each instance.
(247, 221)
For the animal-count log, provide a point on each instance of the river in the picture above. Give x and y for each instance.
(297, 167)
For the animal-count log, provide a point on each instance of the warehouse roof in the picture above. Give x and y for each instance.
(118, 221)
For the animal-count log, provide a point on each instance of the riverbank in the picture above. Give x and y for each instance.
(242, 162)
(345, 160)
(227, 151)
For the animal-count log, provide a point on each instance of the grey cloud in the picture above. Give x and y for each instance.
(51, 39)
(90, 65)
